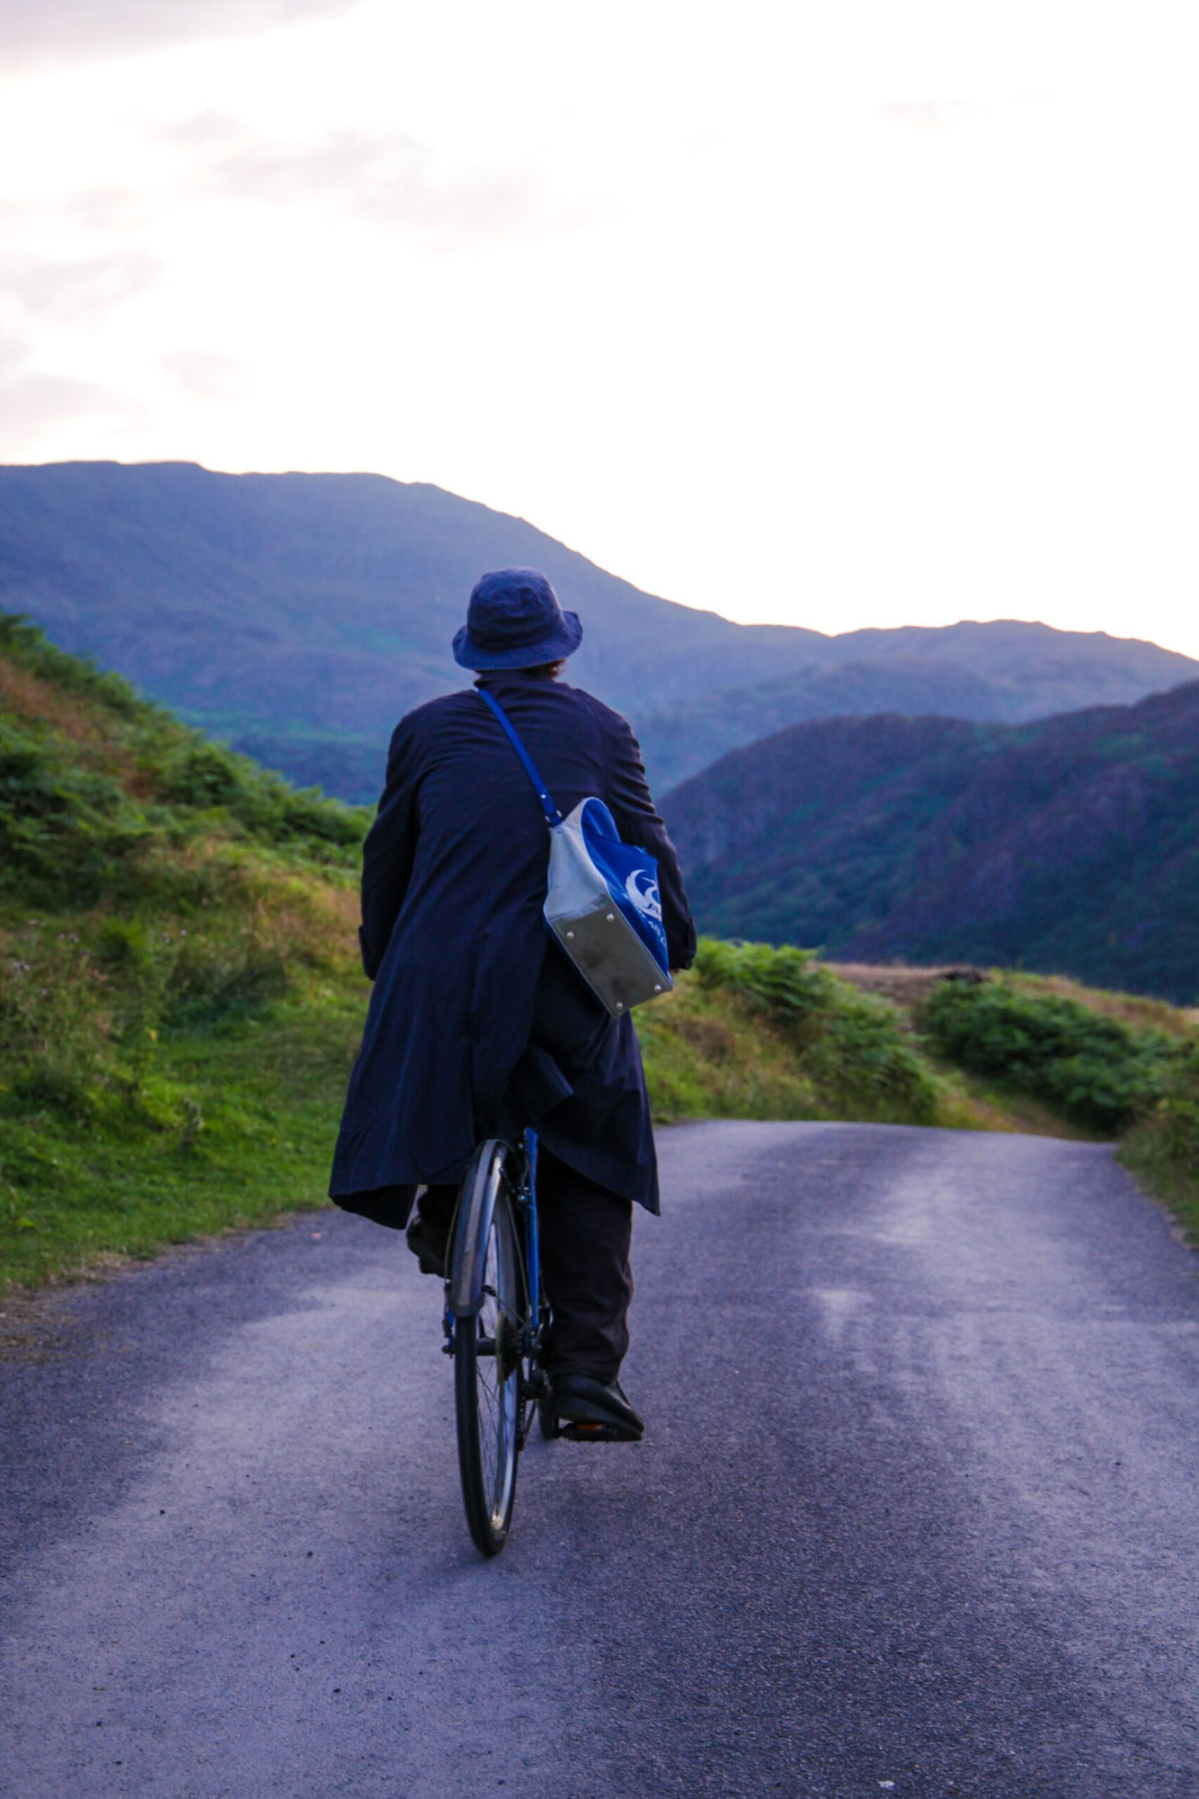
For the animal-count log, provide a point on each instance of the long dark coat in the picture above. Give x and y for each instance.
(478, 1023)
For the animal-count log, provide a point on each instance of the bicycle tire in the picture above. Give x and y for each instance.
(487, 1281)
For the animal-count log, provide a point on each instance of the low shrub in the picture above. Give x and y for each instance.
(1178, 1114)
(66, 832)
(1163, 1149)
(786, 981)
(212, 778)
(852, 1046)
(1099, 1072)
(864, 1057)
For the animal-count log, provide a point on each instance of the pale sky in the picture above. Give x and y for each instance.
(858, 312)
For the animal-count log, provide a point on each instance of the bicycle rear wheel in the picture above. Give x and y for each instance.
(486, 1285)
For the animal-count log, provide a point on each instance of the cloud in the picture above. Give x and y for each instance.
(925, 115)
(385, 178)
(70, 31)
(937, 115)
(206, 375)
(74, 290)
(34, 402)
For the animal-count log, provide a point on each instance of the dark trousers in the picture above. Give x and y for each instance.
(585, 1235)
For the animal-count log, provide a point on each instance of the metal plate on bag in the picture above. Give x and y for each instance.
(611, 958)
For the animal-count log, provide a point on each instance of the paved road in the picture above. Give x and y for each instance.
(915, 1512)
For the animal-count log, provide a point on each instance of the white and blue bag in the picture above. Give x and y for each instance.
(603, 903)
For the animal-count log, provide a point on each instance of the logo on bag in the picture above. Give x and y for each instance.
(642, 890)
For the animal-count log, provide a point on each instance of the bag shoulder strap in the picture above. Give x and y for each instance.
(552, 815)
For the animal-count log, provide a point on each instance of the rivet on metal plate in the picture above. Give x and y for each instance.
(611, 918)
(620, 1005)
(657, 986)
(570, 933)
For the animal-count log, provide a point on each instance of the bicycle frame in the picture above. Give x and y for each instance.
(526, 1208)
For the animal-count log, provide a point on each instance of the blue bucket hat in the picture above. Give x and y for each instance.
(514, 621)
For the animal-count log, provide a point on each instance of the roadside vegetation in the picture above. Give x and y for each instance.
(1053, 1054)
(1162, 1149)
(181, 1000)
(758, 1032)
(762, 1032)
(180, 996)
(1098, 1072)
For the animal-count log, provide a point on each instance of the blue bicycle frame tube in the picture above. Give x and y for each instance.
(532, 1246)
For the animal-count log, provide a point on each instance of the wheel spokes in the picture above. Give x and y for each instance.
(494, 1339)
(495, 1386)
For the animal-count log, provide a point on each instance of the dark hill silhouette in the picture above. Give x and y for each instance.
(299, 615)
(1070, 845)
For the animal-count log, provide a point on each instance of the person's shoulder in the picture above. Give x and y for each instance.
(431, 713)
(417, 732)
(606, 716)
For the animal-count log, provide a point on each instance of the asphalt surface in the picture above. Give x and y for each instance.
(915, 1513)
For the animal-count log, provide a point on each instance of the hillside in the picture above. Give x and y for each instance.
(1068, 846)
(298, 615)
(181, 1000)
(179, 992)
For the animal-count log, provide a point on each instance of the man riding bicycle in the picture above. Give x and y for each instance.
(478, 1024)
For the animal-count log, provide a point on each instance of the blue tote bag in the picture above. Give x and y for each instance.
(603, 903)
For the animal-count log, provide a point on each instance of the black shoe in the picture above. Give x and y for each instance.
(429, 1245)
(588, 1410)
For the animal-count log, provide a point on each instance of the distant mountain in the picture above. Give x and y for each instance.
(1003, 671)
(300, 615)
(1070, 845)
(680, 742)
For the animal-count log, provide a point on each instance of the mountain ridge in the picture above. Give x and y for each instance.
(299, 615)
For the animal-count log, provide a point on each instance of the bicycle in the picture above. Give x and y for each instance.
(495, 1321)
(496, 1324)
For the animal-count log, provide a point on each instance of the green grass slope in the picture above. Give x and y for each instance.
(179, 995)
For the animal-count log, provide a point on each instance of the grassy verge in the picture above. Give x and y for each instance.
(758, 1032)
(1172, 1179)
(179, 1095)
(235, 1128)
(179, 996)
(159, 1085)
(1162, 1149)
